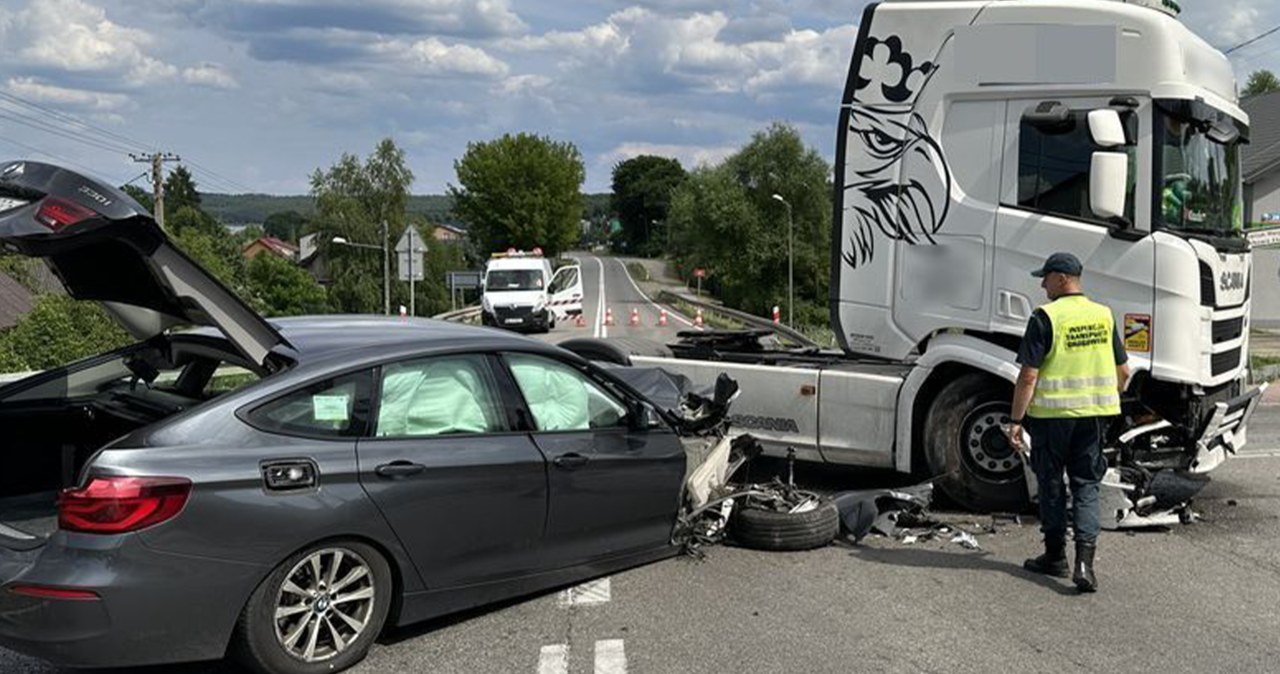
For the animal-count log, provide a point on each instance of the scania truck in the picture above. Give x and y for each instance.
(976, 138)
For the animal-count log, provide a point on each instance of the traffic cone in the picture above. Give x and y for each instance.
(608, 315)
(777, 315)
(635, 317)
(662, 318)
(697, 319)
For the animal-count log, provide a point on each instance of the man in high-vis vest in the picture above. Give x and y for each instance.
(1073, 369)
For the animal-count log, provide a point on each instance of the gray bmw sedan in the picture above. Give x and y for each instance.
(279, 491)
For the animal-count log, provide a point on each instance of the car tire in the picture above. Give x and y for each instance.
(616, 350)
(259, 642)
(770, 530)
(965, 445)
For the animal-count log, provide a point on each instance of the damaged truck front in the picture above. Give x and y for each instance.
(974, 140)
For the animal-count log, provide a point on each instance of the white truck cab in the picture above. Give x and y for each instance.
(975, 138)
(521, 292)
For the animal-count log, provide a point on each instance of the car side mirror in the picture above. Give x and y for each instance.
(1108, 176)
(1106, 129)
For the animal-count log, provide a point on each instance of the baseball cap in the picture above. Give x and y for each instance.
(1065, 263)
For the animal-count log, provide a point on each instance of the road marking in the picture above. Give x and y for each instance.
(602, 330)
(611, 657)
(673, 313)
(554, 659)
(1261, 454)
(592, 592)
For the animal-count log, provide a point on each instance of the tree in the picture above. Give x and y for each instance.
(352, 201)
(1261, 82)
(139, 195)
(520, 191)
(734, 202)
(282, 288)
(59, 330)
(642, 188)
(180, 191)
(285, 225)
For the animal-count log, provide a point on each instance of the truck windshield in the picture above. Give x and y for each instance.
(1197, 162)
(514, 279)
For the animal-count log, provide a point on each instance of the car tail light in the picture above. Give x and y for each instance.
(57, 213)
(117, 505)
(46, 592)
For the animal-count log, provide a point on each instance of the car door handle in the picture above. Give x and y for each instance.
(398, 469)
(571, 461)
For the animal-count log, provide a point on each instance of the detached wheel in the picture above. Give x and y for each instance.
(319, 611)
(770, 530)
(965, 442)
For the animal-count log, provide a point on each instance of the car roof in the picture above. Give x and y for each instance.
(317, 337)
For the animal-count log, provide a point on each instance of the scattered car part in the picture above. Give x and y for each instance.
(763, 528)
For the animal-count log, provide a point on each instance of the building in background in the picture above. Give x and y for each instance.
(1261, 160)
(270, 244)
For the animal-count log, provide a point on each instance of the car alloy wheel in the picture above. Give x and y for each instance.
(325, 604)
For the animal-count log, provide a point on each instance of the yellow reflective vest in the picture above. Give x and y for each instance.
(1078, 375)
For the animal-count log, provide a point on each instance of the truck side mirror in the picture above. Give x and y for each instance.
(1105, 128)
(1108, 175)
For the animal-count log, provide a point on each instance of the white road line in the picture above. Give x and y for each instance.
(611, 657)
(1256, 455)
(593, 592)
(602, 330)
(675, 314)
(554, 659)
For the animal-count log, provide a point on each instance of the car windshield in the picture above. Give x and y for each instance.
(1198, 169)
(514, 279)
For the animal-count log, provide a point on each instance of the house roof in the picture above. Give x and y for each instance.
(277, 246)
(15, 301)
(1262, 154)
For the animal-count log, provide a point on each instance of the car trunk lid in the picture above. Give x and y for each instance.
(103, 246)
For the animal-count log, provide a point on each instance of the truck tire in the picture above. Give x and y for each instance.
(615, 350)
(965, 444)
(770, 530)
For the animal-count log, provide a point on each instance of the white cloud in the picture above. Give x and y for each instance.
(516, 85)
(691, 156)
(433, 57)
(210, 75)
(33, 90)
(1235, 22)
(75, 36)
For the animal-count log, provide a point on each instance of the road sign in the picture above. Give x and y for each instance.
(410, 264)
(463, 279)
(699, 273)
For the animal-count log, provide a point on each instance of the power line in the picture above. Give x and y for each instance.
(68, 118)
(63, 133)
(224, 179)
(1250, 41)
(51, 155)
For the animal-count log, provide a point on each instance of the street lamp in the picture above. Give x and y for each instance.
(386, 264)
(791, 281)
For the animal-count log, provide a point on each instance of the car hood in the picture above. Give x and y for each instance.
(103, 246)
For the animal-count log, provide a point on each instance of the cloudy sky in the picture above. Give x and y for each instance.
(255, 94)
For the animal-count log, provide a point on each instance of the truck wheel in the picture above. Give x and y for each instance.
(770, 530)
(965, 443)
(616, 350)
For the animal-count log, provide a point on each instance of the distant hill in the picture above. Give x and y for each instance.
(244, 209)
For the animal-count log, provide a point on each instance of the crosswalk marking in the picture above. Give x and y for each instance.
(611, 657)
(593, 592)
(554, 659)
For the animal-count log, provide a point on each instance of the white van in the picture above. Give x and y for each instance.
(522, 293)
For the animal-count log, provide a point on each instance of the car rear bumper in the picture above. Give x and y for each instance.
(152, 607)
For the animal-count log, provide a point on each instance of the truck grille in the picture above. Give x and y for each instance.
(1227, 330)
(1208, 292)
(503, 313)
(1225, 361)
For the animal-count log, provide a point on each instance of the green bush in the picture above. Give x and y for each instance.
(60, 330)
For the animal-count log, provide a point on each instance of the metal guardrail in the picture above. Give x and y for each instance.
(463, 315)
(740, 316)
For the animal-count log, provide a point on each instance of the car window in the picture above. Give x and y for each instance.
(438, 396)
(334, 407)
(563, 399)
(566, 279)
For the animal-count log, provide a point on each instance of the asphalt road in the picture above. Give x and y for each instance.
(609, 290)
(1195, 598)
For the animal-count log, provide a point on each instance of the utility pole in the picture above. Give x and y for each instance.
(157, 160)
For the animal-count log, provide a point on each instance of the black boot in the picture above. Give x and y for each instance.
(1083, 576)
(1054, 560)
